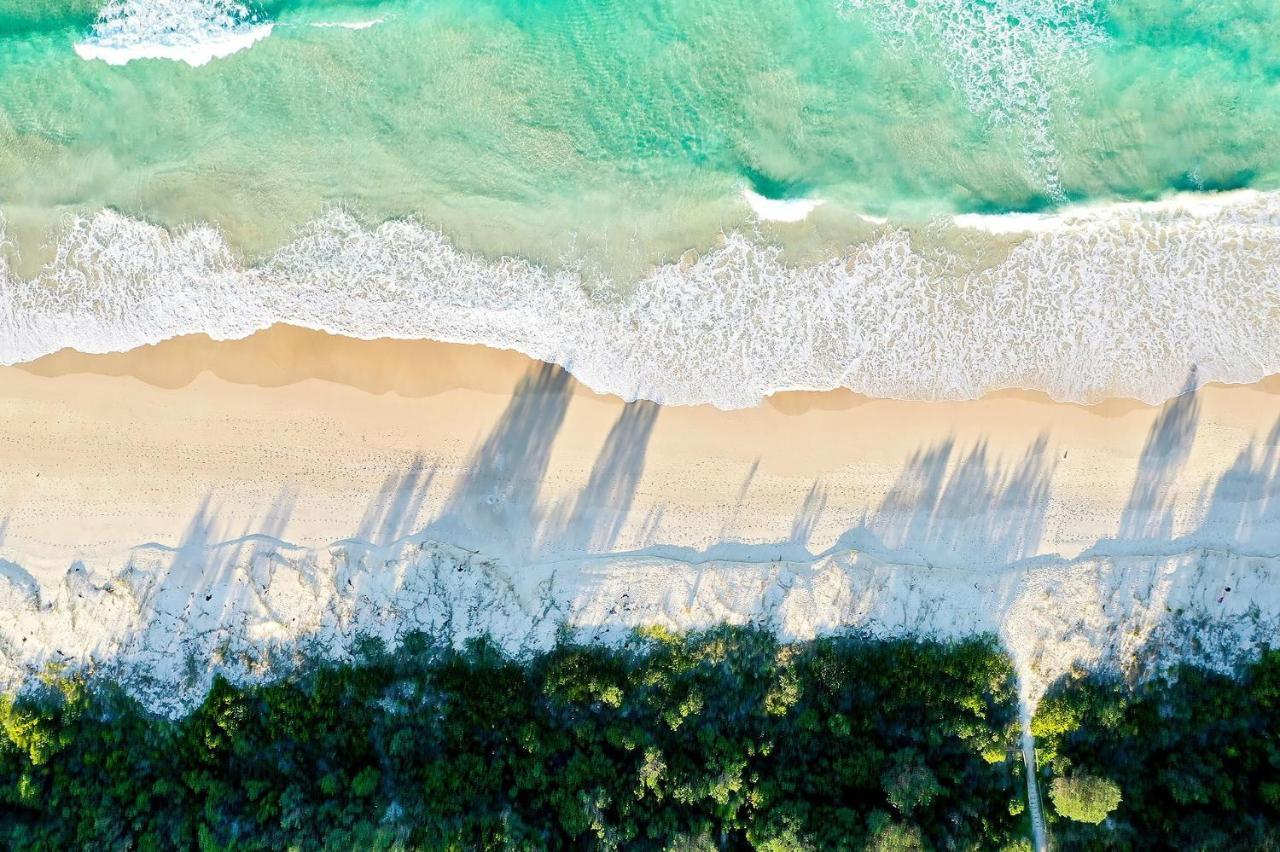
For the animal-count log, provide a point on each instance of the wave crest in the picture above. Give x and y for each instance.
(1120, 301)
(191, 31)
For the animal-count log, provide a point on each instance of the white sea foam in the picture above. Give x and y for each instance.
(780, 209)
(1116, 301)
(1009, 58)
(349, 25)
(191, 31)
(1184, 205)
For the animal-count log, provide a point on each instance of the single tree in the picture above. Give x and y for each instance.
(1084, 798)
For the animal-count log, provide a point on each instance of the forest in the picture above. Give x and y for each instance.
(723, 739)
(1187, 760)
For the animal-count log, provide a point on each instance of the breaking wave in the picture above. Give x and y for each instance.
(191, 31)
(1116, 301)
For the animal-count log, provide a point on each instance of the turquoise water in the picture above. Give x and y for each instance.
(511, 123)
(604, 139)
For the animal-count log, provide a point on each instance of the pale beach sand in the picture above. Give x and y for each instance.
(158, 474)
(103, 452)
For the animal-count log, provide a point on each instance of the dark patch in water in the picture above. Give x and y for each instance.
(774, 187)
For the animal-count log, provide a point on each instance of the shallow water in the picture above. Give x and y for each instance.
(512, 124)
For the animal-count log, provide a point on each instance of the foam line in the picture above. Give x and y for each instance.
(1105, 301)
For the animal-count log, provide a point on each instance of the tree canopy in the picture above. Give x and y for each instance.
(1084, 797)
(1188, 760)
(721, 739)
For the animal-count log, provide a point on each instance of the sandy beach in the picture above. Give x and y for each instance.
(310, 448)
(104, 452)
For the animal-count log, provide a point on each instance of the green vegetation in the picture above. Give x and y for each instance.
(723, 739)
(1084, 798)
(1186, 761)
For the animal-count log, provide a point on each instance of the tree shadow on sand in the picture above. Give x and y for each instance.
(955, 507)
(1241, 509)
(1149, 512)
(593, 519)
(967, 509)
(496, 506)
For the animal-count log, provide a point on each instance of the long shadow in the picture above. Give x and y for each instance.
(906, 512)
(973, 510)
(807, 516)
(394, 511)
(203, 583)
(1242, 507)
(593, 520)
(169, 598)
(1149, 512)
(946, 509)
(494, 505)
(732, 519)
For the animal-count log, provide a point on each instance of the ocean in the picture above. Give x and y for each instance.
(680, 200)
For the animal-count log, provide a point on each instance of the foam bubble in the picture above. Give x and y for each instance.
(1119, 301)
(191, 31)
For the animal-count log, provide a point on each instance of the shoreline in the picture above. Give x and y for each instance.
(284, 354)
(928, 313)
